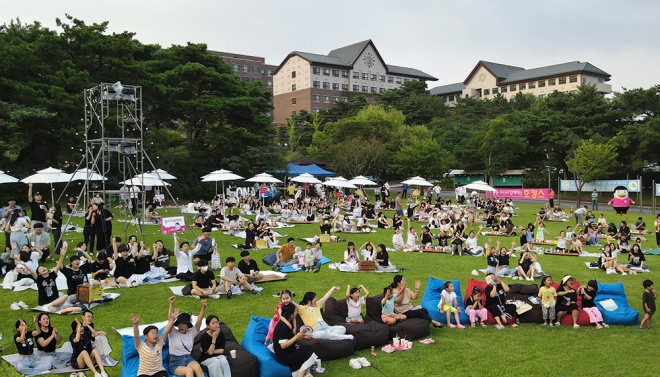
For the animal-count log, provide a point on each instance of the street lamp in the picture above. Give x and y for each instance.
(547, 155)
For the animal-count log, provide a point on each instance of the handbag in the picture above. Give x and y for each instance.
(215, 260)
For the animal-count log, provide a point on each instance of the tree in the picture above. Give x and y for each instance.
(358, 156)
(591, 161)
(421, 155)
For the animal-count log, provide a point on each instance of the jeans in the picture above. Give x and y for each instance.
(58, 359)
(179, 361)
(578, 219)
(594, 204)
(19, 238)
(323, 331)
(218, 366)
(57, 238)
(29, 365)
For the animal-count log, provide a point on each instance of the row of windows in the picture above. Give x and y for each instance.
(531, 85)
(356, 75)
(366, 89)
(326, 85)
(247, 68)
(326, 99)
(326, 72)
(268, 84)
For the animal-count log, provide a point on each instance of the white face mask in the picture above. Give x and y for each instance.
(204, 268)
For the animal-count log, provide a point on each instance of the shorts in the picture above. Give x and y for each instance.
(179, 361)
(449, 308)
(348, 319)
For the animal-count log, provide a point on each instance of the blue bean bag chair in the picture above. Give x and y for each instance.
(431, 299)
(130, 360)
(253, 342)
(624, 315)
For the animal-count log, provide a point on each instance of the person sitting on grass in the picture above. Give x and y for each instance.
(233, 277)
(181, 341)
(125, 264)
(354, 302)
(348, 225)
(151, 350)
(576, 244)
(49, 297)
(84, 356)
(47, 340)
(29, 363)
(286, 254)
(526, 266)
(20, 276)
(101, 269)
(636, 258)
(249, 268)
(608, 260)
(203, 282)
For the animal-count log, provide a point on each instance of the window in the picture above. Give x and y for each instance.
(601, 80)
(236, 67)
(551, 82)
(356, 75)
(293, 100)
(374, 77)
(451, 98)
(512, 88)
(541, 96)
(390, 79)
(562, 80)
(316, 110)
(326, 99)
(335, 73)
(246, 79)
(345, 99)
(572, 78)
(316, 84)
(344, 87)
(293, 74)
(293, 112)
(503, 89)
(398, 80)
(406, 80)
(326, 85)
(381, 90)
(344, 74)
(381, 78)
(541, 83)
(335, 99)
(246, 68)
(486, 92)
(374, 89)
(494, 90)
(365, 89)
(269, 84)
(521, 86)
(356, 88)
(316, 71)
(335, 86)
(316, 98)
(293, 87)
(365, 76)
(269, 73)
(326, 72)
(532, 85)
(256, 70)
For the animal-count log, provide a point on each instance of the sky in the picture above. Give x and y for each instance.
(445, 39)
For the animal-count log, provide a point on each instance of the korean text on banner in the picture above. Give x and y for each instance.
(171, 225)
(520, 193)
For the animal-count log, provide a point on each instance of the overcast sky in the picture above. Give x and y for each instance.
(443, 38)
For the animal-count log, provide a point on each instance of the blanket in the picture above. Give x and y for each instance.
(655, 251)
(242, 234)
(13, 360)
(107, 297)
(296, 268)
(635, 269)
(241, 246)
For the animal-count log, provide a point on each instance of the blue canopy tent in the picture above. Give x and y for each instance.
(295, 170)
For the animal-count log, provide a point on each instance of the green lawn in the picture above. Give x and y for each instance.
(529, 350)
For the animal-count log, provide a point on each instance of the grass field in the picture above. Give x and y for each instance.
(528, 350)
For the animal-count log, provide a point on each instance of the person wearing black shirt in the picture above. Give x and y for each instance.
(89, 230)
(74, 277)
(56, 227)
(29, 363)
(49, 297)
(47, 340)
(103, 221)
(588, 293)
(162, 257)
(496, 302)
(101, 268)
(299, 358)
(249, 268)
(382, 221)
(125, 264)
(250, 236)
(39, 208)
(203, 283)
(84, 355)
(212, 345)
(383, 260)
(567, 301)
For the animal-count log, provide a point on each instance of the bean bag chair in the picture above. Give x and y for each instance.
(253, 342)
(583, 317)
(473, 283)
(367, 334)
(328, 349)
(130, 360)
(624, 315)
(522, 292)
(412, 328)
(431, 299)
(245, 363)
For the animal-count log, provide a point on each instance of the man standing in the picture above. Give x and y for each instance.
(404, 191)
(551, 198)
(6, 215)
(133, 195)
(398, 204)
(594, 200)
(436, 190)
(232, 189)
(39, 208)
(457, 193)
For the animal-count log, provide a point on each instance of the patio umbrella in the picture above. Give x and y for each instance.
(305, 178)
(48, 176)
(145, 179)
(162, 174)
(87, 175)
(6, 178)
(339, 182)
(417, 181)
(220, 175)
(263, 178)
(479, 186)
(361, 180)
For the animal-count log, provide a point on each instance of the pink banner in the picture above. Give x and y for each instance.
(521, 193)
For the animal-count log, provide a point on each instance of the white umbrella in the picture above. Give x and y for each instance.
(264, 178)
(6, 178)
(87, 175)
(162, 174)
(145, 179)
(361, 180)
(480, 186)
(339, 182)
(417, 181)
(220, 175)
(48, 176)
(305, 178)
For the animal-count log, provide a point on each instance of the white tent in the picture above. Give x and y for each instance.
(48, 176)
(264, 178)
(145, 179)
(85, 174)
(6, 178)
(417, 181)
(362, 181)
(305, 178)
(162, 174)
(339, 182)
(479, 186)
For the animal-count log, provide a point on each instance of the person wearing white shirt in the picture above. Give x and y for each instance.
(578, 214)
(184, 257)
(397, 240)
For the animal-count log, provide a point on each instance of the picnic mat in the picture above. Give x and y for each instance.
(132, 221)
(635, 269)
(109, 296)
(242, 234)
(170, 280)
(13, 360)
(296, 268)
(241, 246)
(655, 251)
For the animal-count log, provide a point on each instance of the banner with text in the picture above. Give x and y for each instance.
(657, 189)
(606, 185)
(520, 193)
(171, 225)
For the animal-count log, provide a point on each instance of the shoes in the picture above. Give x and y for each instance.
(605, 325)
(22, 305)
(460, 326)
(427, 341)
(97, 374)
(529, 279)
(499, 327)
(319, 370)
(557, 323)
(355, 364)
(14, 306)
(129, 284)
(514, 278)
(514, 326)
(439, 325)
(228, 295)
(576, 326)
(599, 326)
(363, 362)
(74, 374)
(103, 374)
(624, 274)
(452, 326)
(551, 324)
(388, 348)
(544, 324)
(195, 296)
(316, 271)
(214, 296)
(349, 337)
(256, 293)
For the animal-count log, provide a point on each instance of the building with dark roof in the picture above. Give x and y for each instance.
(489, 79)
(306, 81)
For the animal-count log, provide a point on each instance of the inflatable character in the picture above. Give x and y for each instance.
(621, 202)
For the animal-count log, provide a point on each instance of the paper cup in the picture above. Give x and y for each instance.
(395, 342)
(233, 354)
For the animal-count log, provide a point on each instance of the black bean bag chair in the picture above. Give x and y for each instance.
(522, 292)
(327, 349)
(367, 334)
(412, 328)
(245, 363)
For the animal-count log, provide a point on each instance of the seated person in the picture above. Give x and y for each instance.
(84, 356)
(200, 218)
(576, 244)
(151, 350)
(125, 265)
(99, 338)
(636, 258)
(25, 262)
(101, 269)
(363, 224)
(49, 297)
(74, 277)
(47, 340)
(325, 228)
(623, 244)
(162, 256)
(397, 240)
(286, 254)
(40, 240)
(234, 277)
(348, 225)
(203, 282)
(153, 216)
(249, 268)
(640, 226)
(184, 268)
(204, 246)
(29, 363)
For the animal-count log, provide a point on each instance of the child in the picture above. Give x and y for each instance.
(355, 302)
(387, 308)
(309, 257)
(541, 232)
(588, 294)
(648, 300)
(475, 309)
(561, 242)
(151, 350)
(285, 299)
(548, 297)
(448, 305)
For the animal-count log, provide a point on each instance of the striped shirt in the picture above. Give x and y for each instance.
(151, 358)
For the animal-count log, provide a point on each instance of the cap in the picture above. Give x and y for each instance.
(183, 318)
(36, 193)
(565, 279)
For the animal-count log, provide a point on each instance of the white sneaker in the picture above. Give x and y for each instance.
(363, 361)
(349, 337)
(514, 278)
(103, 374)
(22, 305)
(14, 306)
(355, 364)
(214, 296)
(97, 374)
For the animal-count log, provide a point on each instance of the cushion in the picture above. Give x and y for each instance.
(253, 342)
(524, 289)
(245, 364)
(335, 312)
(624, 315)
(583, 317)
(412, 328)
(366, 334)
(431, 299)
(327, 349)
(481, 284)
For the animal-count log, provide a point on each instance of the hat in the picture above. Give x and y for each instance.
(565, 279)
(36, 193)
(183, 318)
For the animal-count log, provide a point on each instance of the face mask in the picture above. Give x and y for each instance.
(203, 269)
